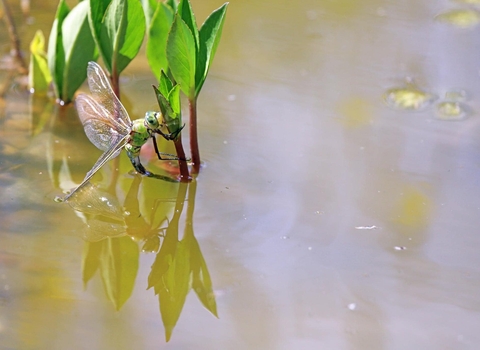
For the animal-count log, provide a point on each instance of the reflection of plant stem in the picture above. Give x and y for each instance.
(192, 191)
(15, 41)
(193, 135)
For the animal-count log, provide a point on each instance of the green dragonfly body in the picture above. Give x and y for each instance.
(108, 126)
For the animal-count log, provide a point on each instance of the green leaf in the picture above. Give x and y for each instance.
(156, 50)
(149, 7)
(210, 34)
(56, 54)
(39, 76)
(95, 18)
(186, 13)
(118, 267)
(181, 56)
(174, 99)
(172, 4)
(79, 49)
(170, 108)
(120, 33)
(165, 84)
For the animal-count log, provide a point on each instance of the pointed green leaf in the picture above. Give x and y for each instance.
(174, 99)
(186, 13)
(172, 4)
(149, 7)
(39, 76)
(56, 54)
(96, 17)
(170, 110)
(79, 49)
(118, 267)
(156, 50)
(210, 34)
(165, 84)
(181, 56)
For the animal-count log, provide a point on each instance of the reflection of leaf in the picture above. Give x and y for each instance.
(90, 260)
(174, 289)
(118, 268)
(202, 283)
(39, 76)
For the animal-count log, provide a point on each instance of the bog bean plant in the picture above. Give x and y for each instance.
(178, 52)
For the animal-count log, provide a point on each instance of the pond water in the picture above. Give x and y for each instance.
(338, 205)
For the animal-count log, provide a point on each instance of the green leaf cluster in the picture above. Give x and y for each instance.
(70, 48)
(118, 27)
(168, 97)
(190, 50)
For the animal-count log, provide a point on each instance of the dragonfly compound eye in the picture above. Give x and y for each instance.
(151, 120)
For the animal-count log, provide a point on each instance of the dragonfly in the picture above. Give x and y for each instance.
(108, 126)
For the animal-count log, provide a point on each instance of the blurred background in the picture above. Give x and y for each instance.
(338, 204)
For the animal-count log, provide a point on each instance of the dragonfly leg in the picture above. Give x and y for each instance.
(170, 156)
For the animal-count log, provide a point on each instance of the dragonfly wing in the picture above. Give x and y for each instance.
(102, 91)
(100, 128)
(105, 157)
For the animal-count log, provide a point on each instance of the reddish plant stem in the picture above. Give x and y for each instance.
(15, 41)
(193, 136)
(115, 79)
(184, 175)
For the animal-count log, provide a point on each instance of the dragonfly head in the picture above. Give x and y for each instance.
(152, 120)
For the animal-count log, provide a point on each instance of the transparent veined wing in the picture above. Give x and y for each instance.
(101, 129)
(105, 157)
(103, 93)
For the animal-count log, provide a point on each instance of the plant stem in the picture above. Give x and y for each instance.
(193, 136)
(15, 41)
(184, 175)
(115, 79)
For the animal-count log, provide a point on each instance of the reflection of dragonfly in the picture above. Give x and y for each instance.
(108, 126)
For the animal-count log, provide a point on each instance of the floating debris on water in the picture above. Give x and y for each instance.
(58, 199)
(373, 227)
(408, 98)
(452, 106)
(450, 110)
(461, 18)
